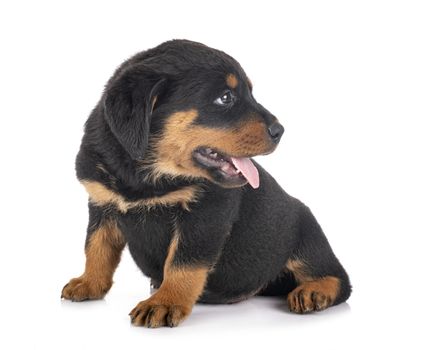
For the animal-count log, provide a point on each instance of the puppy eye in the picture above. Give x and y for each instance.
(225, 99)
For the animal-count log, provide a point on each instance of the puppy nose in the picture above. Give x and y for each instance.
(276, 130)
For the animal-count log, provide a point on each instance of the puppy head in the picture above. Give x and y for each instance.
(188, 110)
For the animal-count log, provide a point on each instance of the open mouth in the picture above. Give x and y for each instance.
(233, 169)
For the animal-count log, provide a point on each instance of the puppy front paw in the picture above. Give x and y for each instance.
(81, 288)
(154, 313)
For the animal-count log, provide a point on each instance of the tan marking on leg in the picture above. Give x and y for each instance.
(103, 253)
(100, 195)
(232, 81)
(182, 285)
(315, 295)
(173, 302)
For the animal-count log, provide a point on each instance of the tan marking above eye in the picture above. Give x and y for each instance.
(232, 81)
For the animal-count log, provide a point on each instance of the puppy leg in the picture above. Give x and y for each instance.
(321, 279)
(198, 237)
(173, 302)
(103, 248)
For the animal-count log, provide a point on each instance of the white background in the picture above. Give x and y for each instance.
(354, 84)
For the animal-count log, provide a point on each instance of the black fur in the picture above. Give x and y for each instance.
(246, 235)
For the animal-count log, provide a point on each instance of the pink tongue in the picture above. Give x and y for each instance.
(247, 168)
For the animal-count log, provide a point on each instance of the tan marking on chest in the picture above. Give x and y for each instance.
(100, 195)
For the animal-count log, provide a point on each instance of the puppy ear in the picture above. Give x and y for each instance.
(128, 105)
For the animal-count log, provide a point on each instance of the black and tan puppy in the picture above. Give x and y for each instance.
(166, 161)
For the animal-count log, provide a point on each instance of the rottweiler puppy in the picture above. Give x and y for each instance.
(166, 161)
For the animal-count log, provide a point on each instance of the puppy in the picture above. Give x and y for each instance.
(166, 161)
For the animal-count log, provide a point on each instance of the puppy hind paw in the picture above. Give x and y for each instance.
(313, 296)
